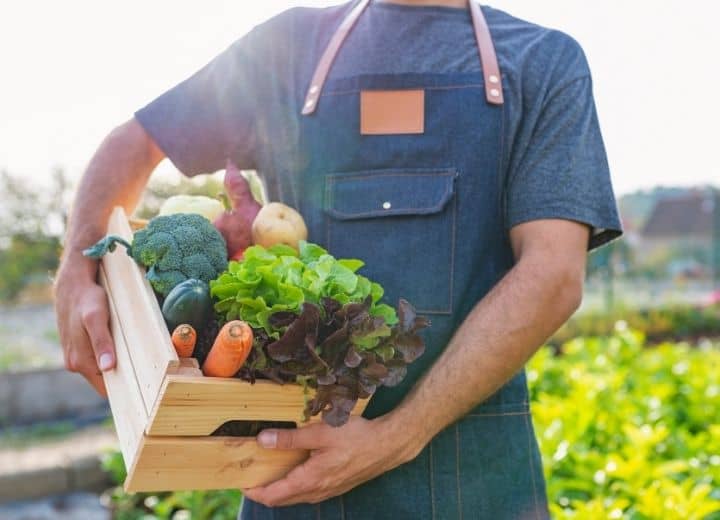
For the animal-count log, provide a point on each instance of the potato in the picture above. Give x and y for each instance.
(277, 223)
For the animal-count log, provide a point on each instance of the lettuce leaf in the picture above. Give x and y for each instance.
(341, 351)
(319, 323)
(280, 278)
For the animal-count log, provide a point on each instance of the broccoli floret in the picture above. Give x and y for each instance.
(174, 248)
(164, 281)
(150, 249)
(200, 265)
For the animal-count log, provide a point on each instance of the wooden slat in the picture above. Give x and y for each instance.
(149, 343)
(185, 463)
(126, 402)
(188, 366)
(198, 405)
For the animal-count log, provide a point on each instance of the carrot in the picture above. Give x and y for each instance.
(230, 350)
(183, 339)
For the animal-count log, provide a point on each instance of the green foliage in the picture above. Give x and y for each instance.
(628, 431)
(658, 324)
(26, 259)
(197, 505)
(31, 222)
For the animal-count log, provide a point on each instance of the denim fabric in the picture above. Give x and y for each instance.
(245, 103)
(425, 213)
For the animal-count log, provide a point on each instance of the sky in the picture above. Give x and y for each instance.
(71, 71)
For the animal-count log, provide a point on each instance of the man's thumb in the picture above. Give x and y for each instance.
(268, 438)
(306, 438)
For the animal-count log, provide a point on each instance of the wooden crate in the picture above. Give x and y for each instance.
(164, 409)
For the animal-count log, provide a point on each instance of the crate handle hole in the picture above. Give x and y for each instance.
(249, 428)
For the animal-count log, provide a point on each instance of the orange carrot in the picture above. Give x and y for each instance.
(183, 339)
(230, 350)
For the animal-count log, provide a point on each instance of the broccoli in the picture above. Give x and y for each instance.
(174, 248)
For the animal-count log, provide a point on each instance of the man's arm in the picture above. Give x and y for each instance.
(505, 329)
(115, 176)
(493, 343)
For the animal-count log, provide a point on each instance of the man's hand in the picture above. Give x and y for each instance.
(340, 459)
(116, 176)
(82, 315)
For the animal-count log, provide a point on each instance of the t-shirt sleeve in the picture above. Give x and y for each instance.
(560, 169)
(209, 117)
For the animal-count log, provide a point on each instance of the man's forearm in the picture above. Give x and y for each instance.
(493, 343)
(115, 176)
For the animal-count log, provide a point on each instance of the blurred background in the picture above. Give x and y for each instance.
(626, 396)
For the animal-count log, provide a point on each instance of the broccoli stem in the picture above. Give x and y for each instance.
(107, 245)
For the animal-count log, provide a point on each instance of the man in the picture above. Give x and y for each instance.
(464, 165)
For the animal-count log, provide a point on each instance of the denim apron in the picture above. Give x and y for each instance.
(425, 213)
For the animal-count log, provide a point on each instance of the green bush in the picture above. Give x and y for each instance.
(185, 505)
(658, 324)
(25, 259)
(627, 431)
(31, 222)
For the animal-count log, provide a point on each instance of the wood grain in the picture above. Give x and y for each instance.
(188, 366)
(198, 405)
(126, 402)
(182, 463)
(149, 344)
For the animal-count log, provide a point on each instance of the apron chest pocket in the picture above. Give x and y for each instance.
(402, 224)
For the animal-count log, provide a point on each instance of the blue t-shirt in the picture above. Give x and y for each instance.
(245, 104)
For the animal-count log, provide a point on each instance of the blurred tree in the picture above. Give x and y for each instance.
(31, 224)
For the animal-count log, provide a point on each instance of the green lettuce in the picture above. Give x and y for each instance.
(281, 279)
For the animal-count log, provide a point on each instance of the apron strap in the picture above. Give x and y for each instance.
(323, 67)
(488, 58)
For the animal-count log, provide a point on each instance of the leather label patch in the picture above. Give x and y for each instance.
(390, 112)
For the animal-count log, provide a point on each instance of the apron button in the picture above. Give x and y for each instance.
(494, 92)
(494, 79)
(387, 205)
(309, 103)
(314, 89)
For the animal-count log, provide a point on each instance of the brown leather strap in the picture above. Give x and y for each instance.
(488, 59)
(323, 67)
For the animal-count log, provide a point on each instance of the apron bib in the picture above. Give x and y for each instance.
(424, 211)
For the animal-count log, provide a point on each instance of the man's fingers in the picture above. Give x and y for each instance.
(95, 317)
(283, 491)
(275, 494)
(94, 377)
(87, 367)
(310, 437)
